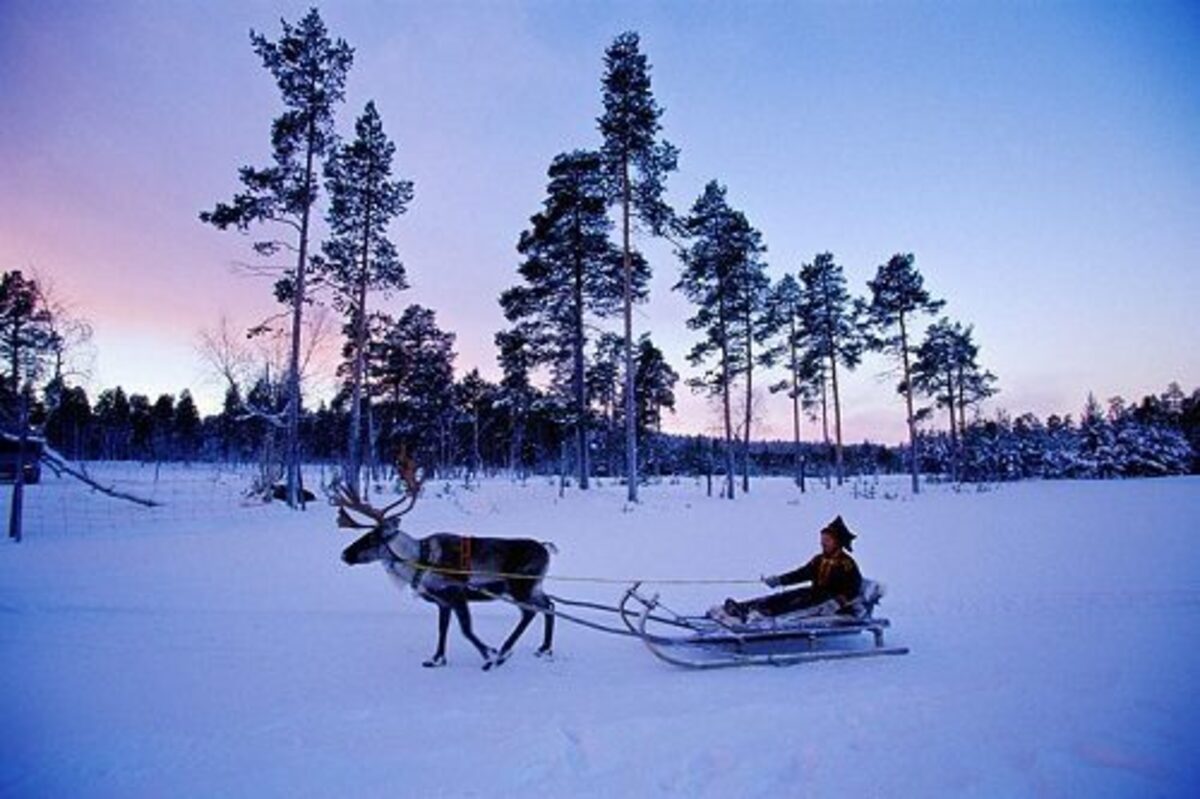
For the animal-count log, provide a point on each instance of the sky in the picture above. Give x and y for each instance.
(1041, 160)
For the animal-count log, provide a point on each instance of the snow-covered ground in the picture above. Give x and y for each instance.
(213, 649)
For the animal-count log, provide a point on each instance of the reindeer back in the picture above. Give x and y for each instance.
(484, 556)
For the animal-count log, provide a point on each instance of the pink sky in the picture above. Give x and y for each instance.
(1050, 191)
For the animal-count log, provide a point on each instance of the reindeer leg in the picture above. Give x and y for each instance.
(526, 617)
(545, 650)
(439, 657)
(464, 623)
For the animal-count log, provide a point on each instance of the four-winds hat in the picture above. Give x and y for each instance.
(838, 529)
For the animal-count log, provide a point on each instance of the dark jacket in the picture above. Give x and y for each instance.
(833, 577)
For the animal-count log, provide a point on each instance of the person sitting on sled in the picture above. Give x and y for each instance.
(834, 576)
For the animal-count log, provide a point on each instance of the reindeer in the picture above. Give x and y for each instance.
(451, 570)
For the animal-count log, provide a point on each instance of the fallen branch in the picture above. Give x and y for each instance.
(60, 465)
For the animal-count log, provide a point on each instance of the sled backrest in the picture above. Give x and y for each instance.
(868, 597)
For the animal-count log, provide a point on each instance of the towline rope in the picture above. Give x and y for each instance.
(563, 578)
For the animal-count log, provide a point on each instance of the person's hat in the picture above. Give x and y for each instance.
(838, 529)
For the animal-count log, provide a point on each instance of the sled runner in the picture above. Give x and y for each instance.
(717, 640)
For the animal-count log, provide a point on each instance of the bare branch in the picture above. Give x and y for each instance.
(60, 465)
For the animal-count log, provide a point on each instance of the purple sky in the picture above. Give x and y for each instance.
(1040, 159)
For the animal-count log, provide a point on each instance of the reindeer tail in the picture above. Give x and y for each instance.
(550, 546)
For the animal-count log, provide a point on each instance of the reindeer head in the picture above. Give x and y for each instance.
(382, 524)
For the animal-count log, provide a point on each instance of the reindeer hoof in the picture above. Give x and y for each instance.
(437, 661)
(496, 660)
(544, 654)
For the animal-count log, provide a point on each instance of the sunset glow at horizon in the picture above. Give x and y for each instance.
(1040, 160)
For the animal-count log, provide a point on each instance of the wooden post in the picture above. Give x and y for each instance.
(18, 492)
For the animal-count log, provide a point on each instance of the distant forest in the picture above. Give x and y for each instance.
(474, 432)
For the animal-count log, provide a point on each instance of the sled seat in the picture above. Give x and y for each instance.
(857, 616)
(860, 609)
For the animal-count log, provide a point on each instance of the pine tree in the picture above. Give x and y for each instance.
(835, 335)
(26, 334)
(933, 370)
(654, 382)
(636, 163)
(516, 394)
(783, 326)
(412, 364)
(310, 71)
(113, 415)
(604, 387)
(229, 424)
(186, 425)
(973, 384)
(897, 296)
(162, 428)
(473, 394)
(69, 423)
(27, 339)
(720, 277)
(359, 256)
(946, 370)
(655, 385)
(571, 271)
(1097, 444)
(754, 286)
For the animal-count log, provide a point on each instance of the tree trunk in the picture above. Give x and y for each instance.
(631, 454)
(476, 458)
(17, 508)
(913, 453)
(520, 453)
(371, 456)
(294, 496)
(953, 426)
(825, 427)
(962, 405)
(749, 400)
(795, 366)
(729, 466)
(577, 344)
(353, 445)
(837, 416)
(708, 463)
(562, 463)
(611, 432)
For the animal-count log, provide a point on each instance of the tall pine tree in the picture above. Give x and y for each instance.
(636, 163)
(784, 327)
(359, 256)
(720, 277)
(897, 296)
(832, 319)
(310, 71)
(571, 272)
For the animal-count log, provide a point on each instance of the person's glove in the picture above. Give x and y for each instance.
(771, 580)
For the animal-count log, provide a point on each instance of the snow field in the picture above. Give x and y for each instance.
(208, 648)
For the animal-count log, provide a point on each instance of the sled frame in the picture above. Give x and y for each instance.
(713, 645)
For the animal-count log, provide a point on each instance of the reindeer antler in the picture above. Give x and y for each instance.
(407, 468)
(347, 499)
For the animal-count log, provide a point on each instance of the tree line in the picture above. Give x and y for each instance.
(469, 425)
(479, 434)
